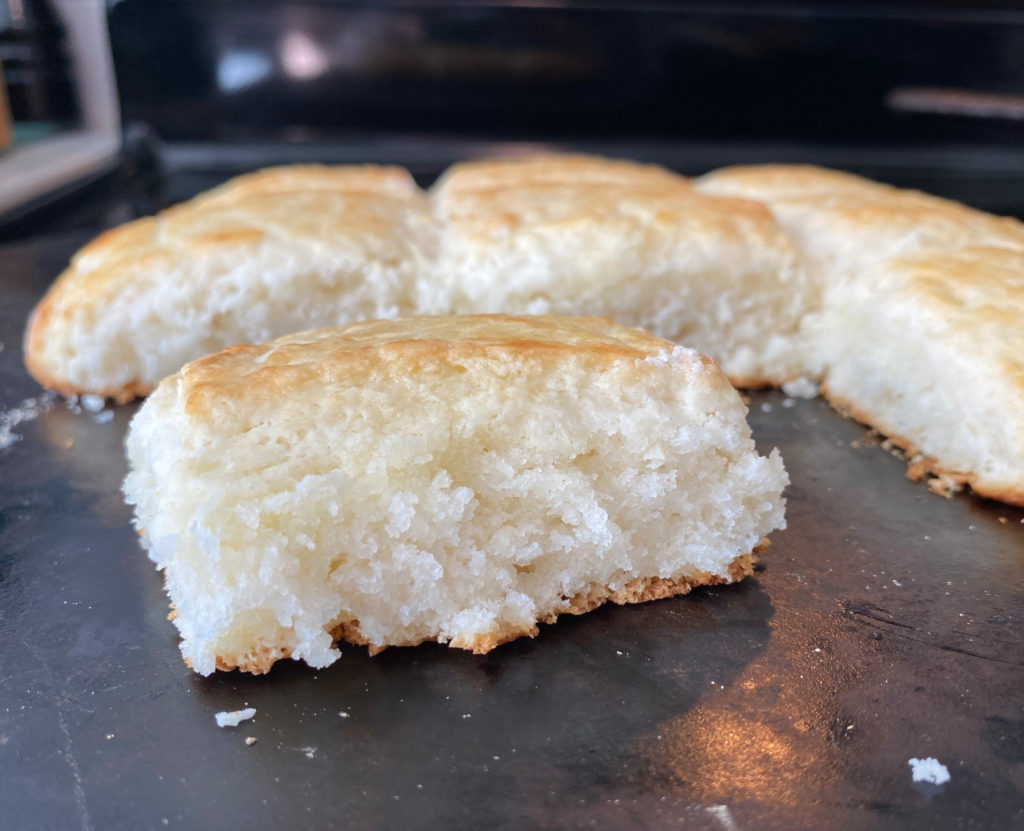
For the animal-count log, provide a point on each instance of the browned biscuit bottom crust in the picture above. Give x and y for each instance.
(259, 660)
(36, 324)
(919, 465)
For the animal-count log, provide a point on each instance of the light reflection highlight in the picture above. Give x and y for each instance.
(302, 58)
(240, 69)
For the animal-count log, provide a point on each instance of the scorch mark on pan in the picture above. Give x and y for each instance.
(78, 789)
(870, 612)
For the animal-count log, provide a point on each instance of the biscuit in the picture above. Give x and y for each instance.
(930, 351)
(575, 235)
(268, 253)
(457, 479)
(920, 332)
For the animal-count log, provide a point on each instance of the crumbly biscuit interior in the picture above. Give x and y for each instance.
(463, 504)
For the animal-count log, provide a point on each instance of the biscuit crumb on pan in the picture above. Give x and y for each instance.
(453, 479)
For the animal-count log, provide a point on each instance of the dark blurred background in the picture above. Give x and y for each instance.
(929, 94)
(810, 72)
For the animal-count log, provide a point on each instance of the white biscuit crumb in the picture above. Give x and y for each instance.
(92, 403)
(801, 388)
(929, 770)
(235, 717)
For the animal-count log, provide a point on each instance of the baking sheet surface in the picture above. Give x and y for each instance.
(885, 624)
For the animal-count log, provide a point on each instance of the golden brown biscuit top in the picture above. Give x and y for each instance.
(493, 199)
(302, 178)
(978, 292)
(306, 205)
(533, 171)
(305, 201)
(773, 182)
(349, 355)
(855, 204)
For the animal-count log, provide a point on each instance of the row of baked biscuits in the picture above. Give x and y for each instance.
(909, 308)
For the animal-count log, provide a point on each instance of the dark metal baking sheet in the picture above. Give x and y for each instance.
(887, 623)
